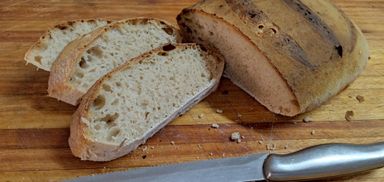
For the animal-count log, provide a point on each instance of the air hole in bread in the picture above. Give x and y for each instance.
(38, 59)
(274, 31)
(163, 54)
(116, 101)
(211, 33)
(99, 102)
(107, 88)
(113, 133)
(118, 84)
(96, 51)
(168, 30)
(83, 63)
(79, 75)
(260, 26)
(110, 118)
(168, 47)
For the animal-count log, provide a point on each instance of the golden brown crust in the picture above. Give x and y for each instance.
(334, 66)
(59, 85)
(86, 149)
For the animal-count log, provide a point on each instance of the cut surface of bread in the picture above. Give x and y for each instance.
(291, 56)
(135, 100)
(87, 59)
(46, 50)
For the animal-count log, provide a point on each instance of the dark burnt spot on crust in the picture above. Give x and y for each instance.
(281, 41)
(316, 23)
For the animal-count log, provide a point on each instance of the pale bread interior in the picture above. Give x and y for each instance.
(115, 46)
(263, 81)
(45, 52)
(138, 98)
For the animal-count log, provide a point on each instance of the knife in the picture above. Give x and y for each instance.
(318, 162)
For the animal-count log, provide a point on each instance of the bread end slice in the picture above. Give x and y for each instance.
(157, 87)
(44, 52)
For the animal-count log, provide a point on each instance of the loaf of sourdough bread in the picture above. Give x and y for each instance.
(46, 50)
(87, 59)
(290, 55)
(135, 100)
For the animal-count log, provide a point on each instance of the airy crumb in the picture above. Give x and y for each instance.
(219, 111)
(307, 119)
(215, 125)
(313, 132)
(235, 136)
(360, 98)
(172, 143)
(200, 116)
(349, 115)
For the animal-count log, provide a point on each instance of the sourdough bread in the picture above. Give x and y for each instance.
(46, 50)
(87, 59)
(135, 100)
(291, 56)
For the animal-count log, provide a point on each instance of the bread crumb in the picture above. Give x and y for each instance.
(235, 136)
(239, 115)
(152, 147)
(223, 154)
(199, 146)
(270, 146)
(200, 116)
(349, 115)
(210, 153)
(286, 146)
(313, 132)
(242, 137)
(215, 125)
(145, 148)
(172, 143)
(307, 119)
(360, 98)
(260, 142)
(219, 111)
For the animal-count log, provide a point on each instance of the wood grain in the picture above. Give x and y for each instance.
(34, 128)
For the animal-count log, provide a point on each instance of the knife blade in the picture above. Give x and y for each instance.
(318, 162)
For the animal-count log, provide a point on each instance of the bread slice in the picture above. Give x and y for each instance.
(135, 100)
(291, 56)
(45, 51)
(87, 59)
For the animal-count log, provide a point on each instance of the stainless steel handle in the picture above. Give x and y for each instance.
(323, 161)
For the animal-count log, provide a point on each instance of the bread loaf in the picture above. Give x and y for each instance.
(290, 55)
(87, 59)
(135, 100)
(45, 51)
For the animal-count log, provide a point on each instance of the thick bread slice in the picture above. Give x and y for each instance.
(291, 56)
(135, 100)
(87, 59)
(46, 50)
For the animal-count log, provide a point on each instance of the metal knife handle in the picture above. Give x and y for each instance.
(323, 161)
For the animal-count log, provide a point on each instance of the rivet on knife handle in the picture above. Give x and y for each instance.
(322, 161)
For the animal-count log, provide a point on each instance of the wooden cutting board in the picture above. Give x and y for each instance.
(34, 127)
